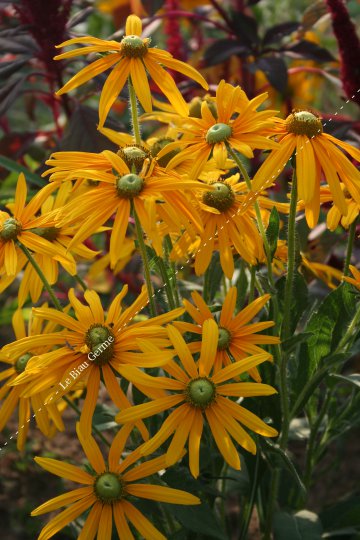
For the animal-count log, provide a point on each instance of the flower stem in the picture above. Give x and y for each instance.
(285, 329)
(147, 275)
(41, 275)
(77, 410)
(80, 282)
(351, 238)
(261, 230)
(134, 112)
(166, 281)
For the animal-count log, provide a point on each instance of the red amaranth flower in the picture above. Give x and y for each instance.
(349, 48)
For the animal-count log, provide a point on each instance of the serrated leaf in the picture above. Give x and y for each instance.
(272, 231)
(328, 324)
(303, 525)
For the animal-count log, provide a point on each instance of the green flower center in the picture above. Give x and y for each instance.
(109, 487)
(49, 233)
(195, 107)
(129, 186)
(222, 197)
(133, 47)
(218, 133)
(224, 339)
(21, 362)
(10, 229)
(134, 157)
(304, 123)
(159, 145)
(100, 341)
(201, 392)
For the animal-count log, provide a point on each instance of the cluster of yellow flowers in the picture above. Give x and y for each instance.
(186, 189)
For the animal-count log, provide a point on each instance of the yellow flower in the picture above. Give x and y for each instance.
(20, 227)
(353, 280)
(316, 152)
(197, 393)
(322, 271)
(334, 216)
(131, 57)
(48, 419)
(126, 178)
(237, 338)
(90, 346)
(60, 238)
(108, 492)
(224, 228)
(218, 128)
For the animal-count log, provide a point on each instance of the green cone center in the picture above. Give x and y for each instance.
(109, 488)
(10, 229)
(134, 157)
(224, 339)
(21, 362)
(304, 123)
(159, 145)
(133, 47)
(218, 133)
(221, 198)
(100, 341)
(201, 392)
(129, 186)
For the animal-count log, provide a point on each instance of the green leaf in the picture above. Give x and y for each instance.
(241, 286)
(299, 300)
(272, 232)
(303, 525)
(289, 345)
(345, 513)
(328, 324)
(199, 519)
(12, 166)
(275, 449)
(354, 378)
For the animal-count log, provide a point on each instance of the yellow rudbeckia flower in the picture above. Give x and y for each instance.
(133, 58)
(197, 392)
(108, 492)
(316, 153)
(92, 345)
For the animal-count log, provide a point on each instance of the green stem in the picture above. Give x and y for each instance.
(261, 230)
(250, 504)
(346, 341)
(166, 281)
(351, 238)
(252, 283)
(80, 282)
(77, 410)
(40, 273)
(286, 330)
(134, 112)
(168, 249)
(147, 275)
(284, 397)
